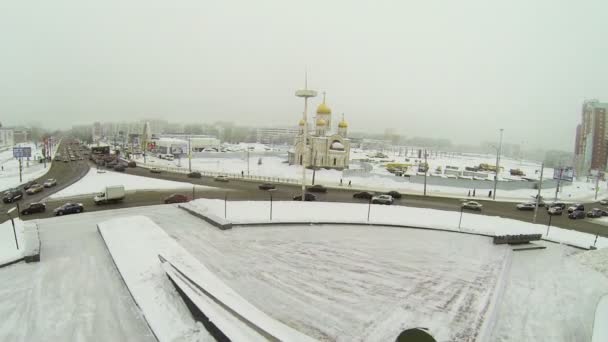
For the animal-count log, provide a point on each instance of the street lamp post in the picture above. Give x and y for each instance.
(270, 193)
(497, 164)
(8, 213)
(426, 166)
(306, 94)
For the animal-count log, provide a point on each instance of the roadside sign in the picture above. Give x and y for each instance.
(22, 152)
(565, 174)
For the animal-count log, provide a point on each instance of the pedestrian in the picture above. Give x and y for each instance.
(340, 181)
(469, 194)
(474, 192)
(242, 173)
(349, 183)
(490, 193)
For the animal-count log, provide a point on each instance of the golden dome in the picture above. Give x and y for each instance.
(321, 122)
(343, 124)
(301, 123)
(323, 109)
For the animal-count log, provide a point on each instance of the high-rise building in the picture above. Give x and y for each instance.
(591, 145)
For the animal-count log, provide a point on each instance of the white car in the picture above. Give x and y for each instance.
(221, 178)
(472, 205)
(382, 199)
(526, 206)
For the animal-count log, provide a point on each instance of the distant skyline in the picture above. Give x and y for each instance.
(453, 70)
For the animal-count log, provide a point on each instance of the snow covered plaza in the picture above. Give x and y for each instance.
(134, 274)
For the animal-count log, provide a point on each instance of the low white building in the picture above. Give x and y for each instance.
(6, 137)
(198, 142)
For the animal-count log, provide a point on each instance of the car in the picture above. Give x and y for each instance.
(50, 183)
(596, 212)
(604, 201)
(555, 210)
(195, 174)
(560, 205)
(576, 207)
(382, 199)
(69, 208)
(28, 185)
(34, 207)
(317, 188)
(307, 197)
(176, 198)
(221, 178)
(34, 189)
(394, 194)
(132, 164)
(12, 196)
(155, 170)
(267, 186)
(363, 195)
(472, 205)
(526, 206)
(577, 214)
(120, 168)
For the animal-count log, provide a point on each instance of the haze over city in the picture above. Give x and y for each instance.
(456, 70)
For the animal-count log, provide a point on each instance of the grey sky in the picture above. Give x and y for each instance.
(452, 69)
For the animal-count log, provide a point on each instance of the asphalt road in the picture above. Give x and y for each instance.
(235, 189)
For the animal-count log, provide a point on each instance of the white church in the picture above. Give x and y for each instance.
(325, 147)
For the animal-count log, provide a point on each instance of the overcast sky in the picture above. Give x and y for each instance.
(447, 69)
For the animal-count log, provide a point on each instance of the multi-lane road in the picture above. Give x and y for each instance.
(241, 189)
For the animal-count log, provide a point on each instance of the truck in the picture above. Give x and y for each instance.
(111, 194)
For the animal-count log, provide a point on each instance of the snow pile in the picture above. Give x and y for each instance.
(597, 259)
(8, 249)
(95, 182)
(134, 243)
(293, 211)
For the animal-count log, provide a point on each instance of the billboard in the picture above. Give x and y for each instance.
(22, 152)
(565, 174)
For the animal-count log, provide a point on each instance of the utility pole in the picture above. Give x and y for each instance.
(561, 170)
(540, 185)
(20, 170)
(426, 166)
(247, 161)
(497, 164)
(306, 94)
(597, 184)
(189, 155)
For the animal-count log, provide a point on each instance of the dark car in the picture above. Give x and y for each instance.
(576, 207)
(596, 212)
(194, 174)
(33, 208)
(29, 185)
(267, 186)
(394, 194)
(577, 214)
(363, 195)
(176, 198)
(317, 188)
(308, 197)
(12, 196)
(119, 168)
(131, 164)
(69, 208)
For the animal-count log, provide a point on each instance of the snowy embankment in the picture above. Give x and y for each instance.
(139, 264)
(243, 212)
(8, 248)
(95, 182)
(9, 173)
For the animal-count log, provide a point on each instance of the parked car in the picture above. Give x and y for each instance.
(28, 185)
(363, 195)
(34, 189)
(577, 214)
(604, 201)
(155, 170)
(576, 207)
(12, 196)
(32, 208)
(382, 199)
(526, 206)
(132, 164)
(221, 178)
(307, 197)
(317, 188)
(69, 208)
(560, 205)
(596, 212)
(176, 198)
(119, 168)
(195, 174)
(394, 194)
(267, 186)
(555, 210)
(50, 182)
(472, 205)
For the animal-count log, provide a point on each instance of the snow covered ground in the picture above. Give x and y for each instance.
(8, 248)
(95, 182)
(290, 211)
(9, 175)
(379, 178)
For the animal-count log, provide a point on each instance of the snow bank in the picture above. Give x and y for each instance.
(600, 328)
(9, 173)
(597, 259)
(8, 249)
(293, 211)
(94, 182)
(134, 243)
